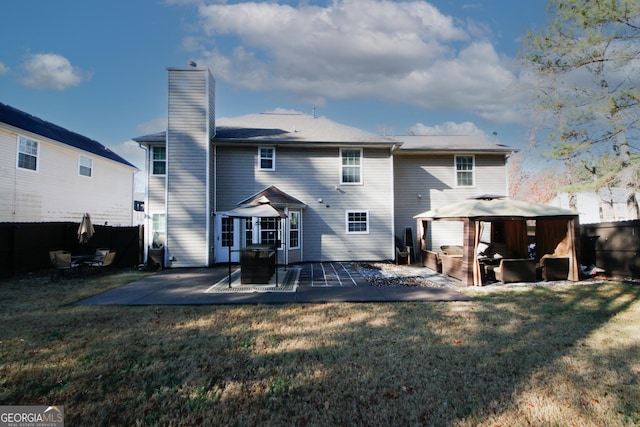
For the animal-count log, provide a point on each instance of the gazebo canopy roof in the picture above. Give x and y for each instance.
(495, 209)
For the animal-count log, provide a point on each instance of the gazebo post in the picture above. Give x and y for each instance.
(468, 246)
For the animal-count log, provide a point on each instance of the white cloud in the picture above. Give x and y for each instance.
(131, 152)
(448, 128)
(51, 71)
(4, 69)
(152, 126)
(404, 52)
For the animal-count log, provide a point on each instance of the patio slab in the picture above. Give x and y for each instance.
(188, 286)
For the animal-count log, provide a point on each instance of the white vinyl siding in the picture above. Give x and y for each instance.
(27, 153)
(464, 171)
(85, 166)
(189, 132)
(56, 192)
(432, 176)
(309, 174)
(350, 166)
(267, 158)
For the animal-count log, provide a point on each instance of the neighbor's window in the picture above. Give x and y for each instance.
(27, 153)
(158, 229)
(159, 159)
(464, 171)
(294, 229)
(357, 222)
(269, 231)
(86, 166)
(267, 158)
(350, 165)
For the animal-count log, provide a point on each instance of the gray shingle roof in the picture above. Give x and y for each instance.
(450, 143)
(305, 129)
(27, 122)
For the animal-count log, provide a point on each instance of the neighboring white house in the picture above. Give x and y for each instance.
(347, 194)
(607, 205)
(50, 174)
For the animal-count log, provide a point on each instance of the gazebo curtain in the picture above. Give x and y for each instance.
(513, 234)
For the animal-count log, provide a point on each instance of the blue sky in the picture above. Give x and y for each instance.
(443, 66)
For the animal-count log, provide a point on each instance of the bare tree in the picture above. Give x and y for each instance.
(588, 63)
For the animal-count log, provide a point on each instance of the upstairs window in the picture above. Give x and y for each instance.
(350, 165)
(85, 166)
(267, 158)
(464, 171)
(159, 160)
(27, 153)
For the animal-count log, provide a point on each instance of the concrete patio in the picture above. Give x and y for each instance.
(316, 283)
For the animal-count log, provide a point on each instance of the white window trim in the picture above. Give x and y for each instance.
(18, 154)
(346, 220)
(80, 157)
(359, 166)
(473, 170)
(153, 230)
(299, 229)
(153, 148)
(273, 158)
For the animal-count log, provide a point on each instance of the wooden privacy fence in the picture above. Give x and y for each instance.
(25, 247)
(613, 246)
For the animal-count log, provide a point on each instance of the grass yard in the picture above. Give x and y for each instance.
(521, 356)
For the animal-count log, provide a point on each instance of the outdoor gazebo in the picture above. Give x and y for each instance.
(259, 208)
(555, 231)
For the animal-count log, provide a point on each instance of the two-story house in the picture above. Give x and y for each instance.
(48, 173)
(346, 193)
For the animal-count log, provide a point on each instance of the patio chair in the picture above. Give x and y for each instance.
(100, 254)
(106, 261)
(52, 256)
(63, 261)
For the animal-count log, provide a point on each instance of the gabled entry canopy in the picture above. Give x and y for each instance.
(275, 197)
(260, 208)
(555, 229)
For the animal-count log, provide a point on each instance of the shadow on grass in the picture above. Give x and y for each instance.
(463, 363)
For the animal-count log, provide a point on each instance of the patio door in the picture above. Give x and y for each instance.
(227, 237)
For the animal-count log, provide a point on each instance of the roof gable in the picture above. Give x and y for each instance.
(27, 122)
(275, 197)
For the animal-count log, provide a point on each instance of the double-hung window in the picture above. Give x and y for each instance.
(267, 158)
(269, 231)
(27, 153)
(350, 165)
(294, 229)
(248, 231)
(464, 171)
(357, 222)
(85, 166)
(159, 160)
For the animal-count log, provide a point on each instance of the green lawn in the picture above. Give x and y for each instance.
(521, 356)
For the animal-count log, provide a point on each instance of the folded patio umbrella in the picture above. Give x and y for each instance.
(85, 231)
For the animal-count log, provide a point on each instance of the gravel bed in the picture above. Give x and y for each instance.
(389, 274)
